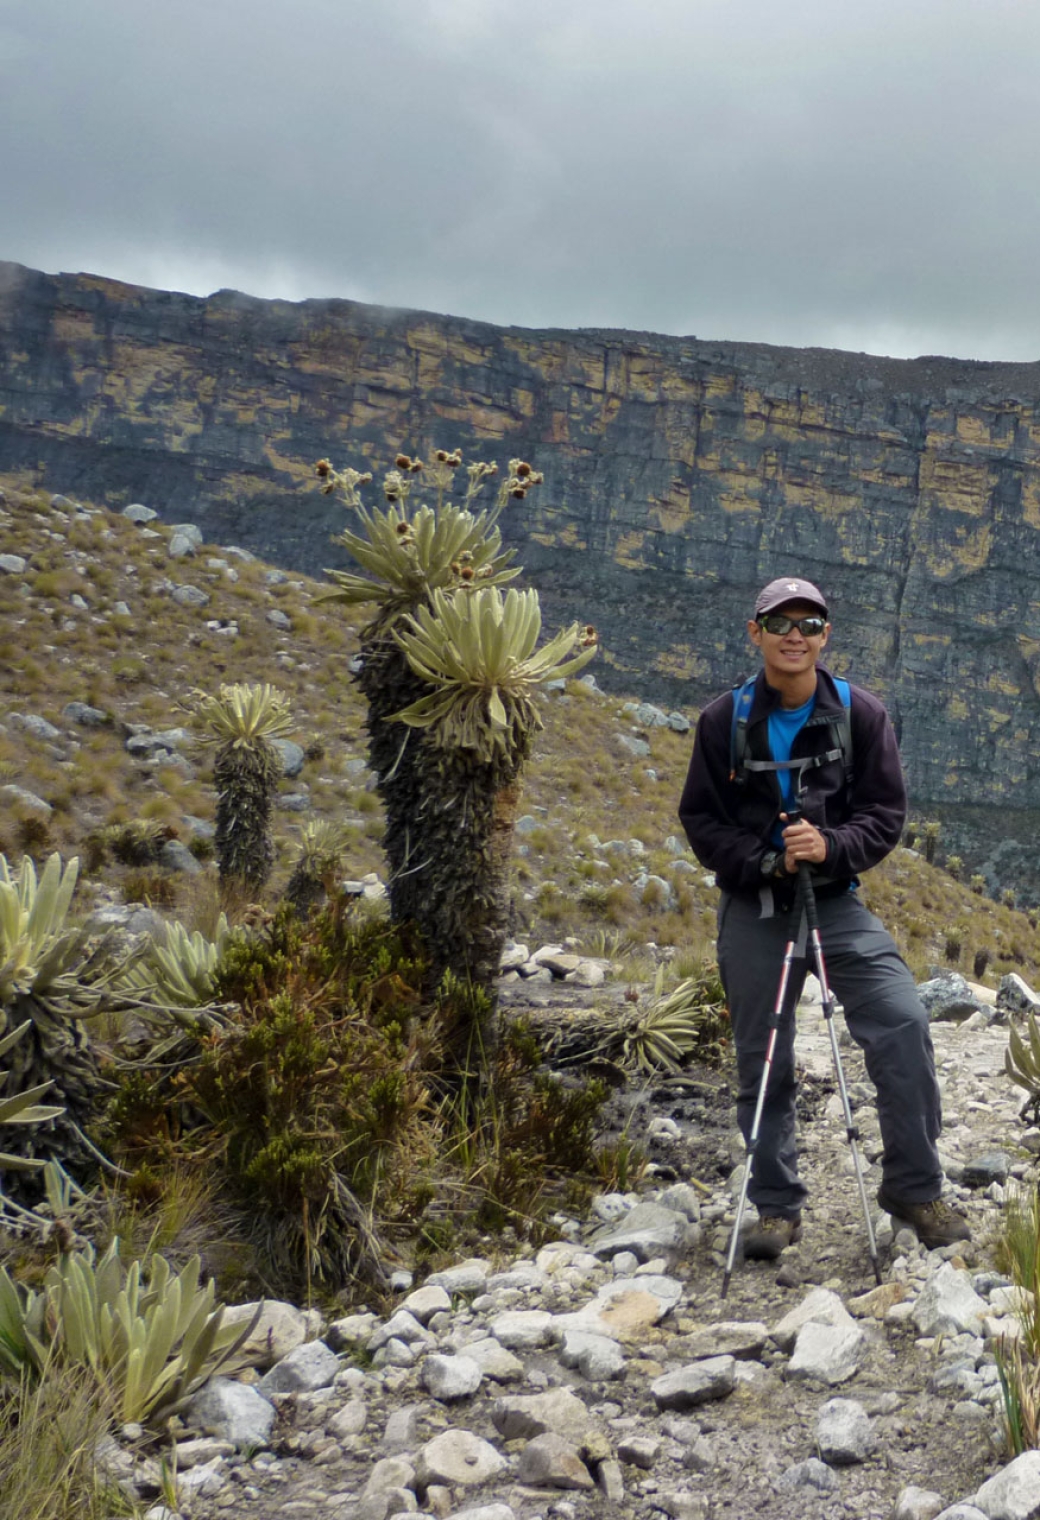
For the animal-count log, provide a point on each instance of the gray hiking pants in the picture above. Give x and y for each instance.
(884, 1016)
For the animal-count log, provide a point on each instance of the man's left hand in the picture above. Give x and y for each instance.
(803, 841)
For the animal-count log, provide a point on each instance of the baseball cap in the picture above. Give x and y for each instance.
(789, 588)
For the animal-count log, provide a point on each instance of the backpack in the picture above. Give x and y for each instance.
(841, 735)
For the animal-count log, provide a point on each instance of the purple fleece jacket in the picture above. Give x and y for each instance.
(729, 825)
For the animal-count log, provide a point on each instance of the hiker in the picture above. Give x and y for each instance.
(795, 738)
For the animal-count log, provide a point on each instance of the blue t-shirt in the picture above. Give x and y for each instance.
(784, 724)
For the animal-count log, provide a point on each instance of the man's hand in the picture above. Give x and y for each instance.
(803, 841)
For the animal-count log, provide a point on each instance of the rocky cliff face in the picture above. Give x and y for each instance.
(679, 475)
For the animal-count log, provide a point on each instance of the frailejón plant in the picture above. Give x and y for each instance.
(242, 720)
(48, 983)
(22, 1108)
(1022, 1063)
(448, 668)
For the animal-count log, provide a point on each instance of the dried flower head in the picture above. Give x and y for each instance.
(323, 469)
(403, 462)
(518, 494)
(523, 469)
(441, 456)
(455, 567)
(416, 465)
(466, 573)
(402, 528)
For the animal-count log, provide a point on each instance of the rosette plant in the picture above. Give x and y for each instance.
(49, 984)
(242, 721)
(449, 668)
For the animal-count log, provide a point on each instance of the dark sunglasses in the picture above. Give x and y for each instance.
(777, 623)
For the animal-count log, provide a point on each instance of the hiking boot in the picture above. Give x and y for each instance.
(935, 1222)
(771, 1235)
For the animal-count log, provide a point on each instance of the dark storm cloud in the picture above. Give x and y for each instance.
(810, 173)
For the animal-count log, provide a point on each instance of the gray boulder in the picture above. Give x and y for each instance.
(85, 715)
(291, 755)
(309, 1367)
(136, 513)
(948, 998)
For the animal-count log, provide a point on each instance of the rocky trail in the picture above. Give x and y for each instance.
(603, 1375)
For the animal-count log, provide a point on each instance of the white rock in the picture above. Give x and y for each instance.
(466, 1277)
(304, 1370)
(280, 1329)
(450, 1377)
(352, 1330)
(647, 1230)
(389, 1472)
(401, 1326)
(552, 1462)
(698, 1383)
(425, 1302)
(948, 1304)
(827, 1353)
(595, 1356)
(495, 1362)
(348, 1421)
(458, 1457)
(524, 1416)
(484, 1512)
(844, 1433)
(915, 1503)
(233, 1412)
(820, 1305)
(1014, 1493)
(522, 1329)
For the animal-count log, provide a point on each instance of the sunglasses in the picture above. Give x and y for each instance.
(777, 623)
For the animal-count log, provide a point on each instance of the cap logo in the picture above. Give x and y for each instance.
(792, 585)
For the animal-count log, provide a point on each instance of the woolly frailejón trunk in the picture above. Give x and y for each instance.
(246, 777)
(449, 827)
(56, 1048)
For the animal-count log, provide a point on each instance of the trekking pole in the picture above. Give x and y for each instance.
(827, 999)
(756, 1123)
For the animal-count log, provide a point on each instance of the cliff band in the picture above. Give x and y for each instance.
(679, 475)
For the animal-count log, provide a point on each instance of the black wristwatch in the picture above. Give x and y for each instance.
(772, 865)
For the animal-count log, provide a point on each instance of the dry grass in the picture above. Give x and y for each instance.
(580, 785)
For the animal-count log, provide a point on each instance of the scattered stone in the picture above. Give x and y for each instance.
(915, 1503)
(948, 1304)
(827, 1353)
(190, 596)
(458, 1457)
(553, 1462)
(844, 1433)
(699, 1383)
(85, 716)
(176, 856)
(647, 1231)
(309, 1367)
(740, 1339)
(450, 1377)
(136, 513)
(595, 1356)
(821, 1306)
(949, 996)
(348, 1421)
(32, 723)
(12, 564)
(1015, 996)
(639, 1451)
(279, 619)
(280, 1329)
(809, 1474)
(233, 1412)
(522, 1329)
(1014, 1493)
(20, 796)
(524, 1416)
(291, 756)
(983, 1171)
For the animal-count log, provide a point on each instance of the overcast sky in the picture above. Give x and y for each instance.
(859, 174)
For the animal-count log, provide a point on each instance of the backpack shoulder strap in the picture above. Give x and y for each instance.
(743, 695)
(843, 726)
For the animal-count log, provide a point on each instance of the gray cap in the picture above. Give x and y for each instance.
(789, 588)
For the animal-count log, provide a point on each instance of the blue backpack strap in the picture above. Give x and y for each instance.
(740, 765)
(743, 695)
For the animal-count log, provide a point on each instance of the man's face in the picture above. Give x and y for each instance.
(789, 654)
